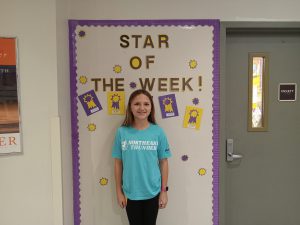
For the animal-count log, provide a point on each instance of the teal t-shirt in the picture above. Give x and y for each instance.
(140, 152)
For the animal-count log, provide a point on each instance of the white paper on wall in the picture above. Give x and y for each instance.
(178, 65)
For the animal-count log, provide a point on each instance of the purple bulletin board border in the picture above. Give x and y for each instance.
(216, 98)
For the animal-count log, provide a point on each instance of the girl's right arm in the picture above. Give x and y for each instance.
(118, 177)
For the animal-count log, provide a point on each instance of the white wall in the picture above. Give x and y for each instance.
(26, 179)
(226, 10)
(30, 184)
(64, 112)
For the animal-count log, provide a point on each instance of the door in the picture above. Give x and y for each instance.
(263, 187)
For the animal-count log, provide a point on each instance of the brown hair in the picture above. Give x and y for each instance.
(128, 121)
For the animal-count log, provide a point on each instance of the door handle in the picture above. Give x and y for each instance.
(230, 156)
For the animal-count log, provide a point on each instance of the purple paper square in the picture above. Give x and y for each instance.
(168, 106)
(90, 102)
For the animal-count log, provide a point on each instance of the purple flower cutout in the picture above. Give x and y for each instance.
(81, 33)
(132, 85)
(195, 101)
(184, 158)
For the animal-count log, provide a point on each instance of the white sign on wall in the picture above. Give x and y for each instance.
(177, 61)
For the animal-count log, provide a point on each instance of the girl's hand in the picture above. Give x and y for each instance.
(121, 200)
(163, 200)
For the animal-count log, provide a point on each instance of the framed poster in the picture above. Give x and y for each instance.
(9, 100)
(177, 61)
(287, 92)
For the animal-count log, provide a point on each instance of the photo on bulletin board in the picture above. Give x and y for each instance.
(177, 61)
(10, 129)
(287, 92)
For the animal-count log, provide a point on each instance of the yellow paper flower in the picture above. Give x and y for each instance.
(91, 127)
(193, 64)
(202, 172)
(103, 181)
(83, 79)
(117, 69)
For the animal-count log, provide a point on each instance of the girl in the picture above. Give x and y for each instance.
(140, 151)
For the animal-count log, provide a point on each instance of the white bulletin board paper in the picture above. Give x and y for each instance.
(177, 61)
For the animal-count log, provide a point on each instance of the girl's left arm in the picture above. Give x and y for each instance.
(164, 170)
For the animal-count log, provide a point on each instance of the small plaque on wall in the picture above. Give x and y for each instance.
(287, 92)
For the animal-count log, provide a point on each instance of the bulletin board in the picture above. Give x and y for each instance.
(177, 61)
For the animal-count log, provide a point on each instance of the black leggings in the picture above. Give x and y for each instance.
(142, 212)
